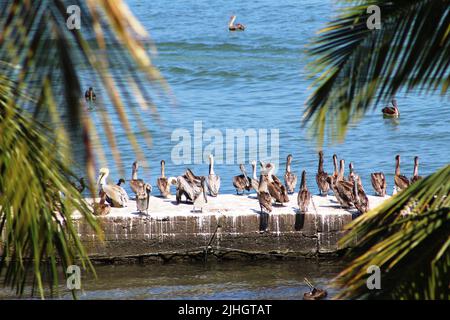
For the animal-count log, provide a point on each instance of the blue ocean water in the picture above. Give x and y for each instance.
(257, 80)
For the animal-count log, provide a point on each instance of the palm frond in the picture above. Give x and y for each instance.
(360, 67)
(408, 238)
(42, 64)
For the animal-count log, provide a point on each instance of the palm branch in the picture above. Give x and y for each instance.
(408, 238)
(43, 118)
(355, 67)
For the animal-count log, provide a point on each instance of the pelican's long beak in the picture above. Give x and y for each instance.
(100, 177)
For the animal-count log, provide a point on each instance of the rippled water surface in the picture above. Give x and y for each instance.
(225, 280)
(256, 79)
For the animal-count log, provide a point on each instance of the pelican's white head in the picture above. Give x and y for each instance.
(102, 175)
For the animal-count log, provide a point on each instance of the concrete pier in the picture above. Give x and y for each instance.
(228, 228)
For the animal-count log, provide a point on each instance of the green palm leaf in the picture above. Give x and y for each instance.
(359, 67)
(43, 115)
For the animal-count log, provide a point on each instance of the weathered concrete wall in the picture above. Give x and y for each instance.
(180, 234)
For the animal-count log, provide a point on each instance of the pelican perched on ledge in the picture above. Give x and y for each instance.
(242, 182)
(343, 191)
(379, 183)
(360, 199)
(213, 179)
(401, 182)
(118, 195)
(200, 197)
(143, 198)
(187, 185)
(290, 179)
(416, 176)
(321, 177)
(276, 189)
(163, 183)
(254, 179)
(304, 196)
(135, 183)
(264, 197)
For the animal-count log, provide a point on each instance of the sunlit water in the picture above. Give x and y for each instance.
(225, 280)
(255, 79)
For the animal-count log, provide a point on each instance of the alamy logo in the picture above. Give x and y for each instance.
(74, 277)
(374, 280)
(374, 20)
(234, 146)
(74, 20)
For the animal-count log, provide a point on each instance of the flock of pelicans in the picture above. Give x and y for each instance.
(348, 191)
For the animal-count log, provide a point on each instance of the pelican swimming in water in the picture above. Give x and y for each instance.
(391, 111)
(254, 179)
(118, 195)
(90, 95)
(163, 183)
(401, 182)
(290, 179)
(242, 182)
(135, 183)
(235, 27)
(416, 176)
(200, 197)
(379, 183)
(304, 196)
(321, 177)
(276, 189)
(213, 179)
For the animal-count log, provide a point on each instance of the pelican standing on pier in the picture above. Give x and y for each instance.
(290, 179)
(162, 182)
(360, 199)
(264, 197)
(135, 183)
(143, 198)
(416, 176)
(276, 189)
(335, 166)
(321, 177)
(117, 194)
(200, 197)
(304, 196)
(213, 179)
(254, 179)
(242, 182)
(343, 191)
(379, 183)
(401, 182)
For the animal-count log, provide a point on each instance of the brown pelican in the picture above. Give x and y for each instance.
(343, 191)
(290, 179)
(187, 185)
(213, 179)
(360, 199)
(135, 183)
(321, 177)
(351, 173)
(235, 27)
(242, 182)
(335, 166)
(276, 189)
(118, 196)
(341, 176)
(200, 198)
(304, 196)
(379, 183)
(89, 95)
(102, 208)
(401, 182)
(163, 183)
(416, 176)
(264, 198)
(254, 179)
(391, 111)
(314, 293)
(143, 198)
